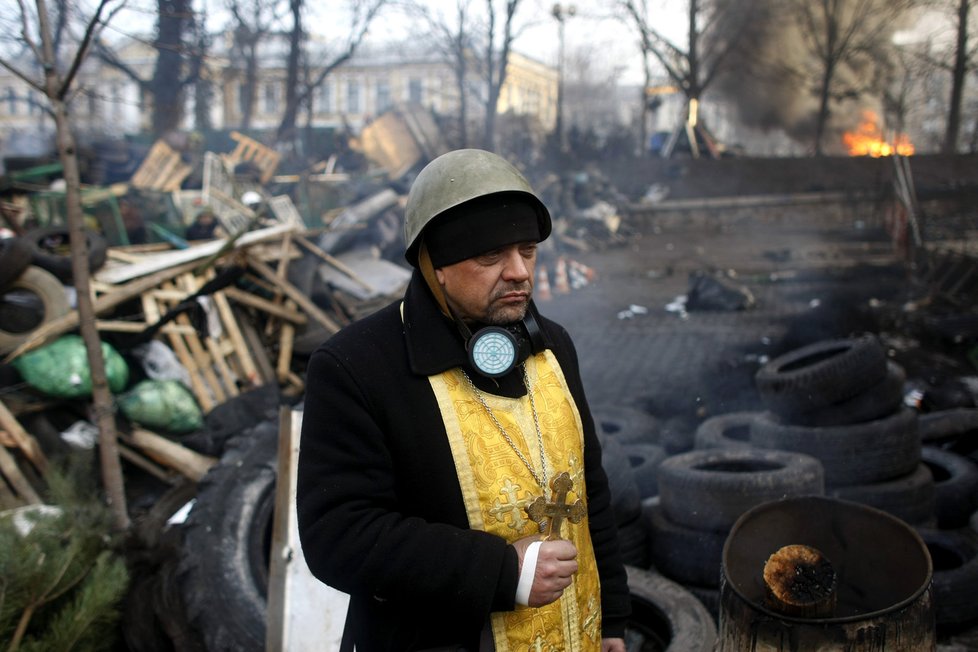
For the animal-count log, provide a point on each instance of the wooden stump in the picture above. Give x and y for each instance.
(800, 582)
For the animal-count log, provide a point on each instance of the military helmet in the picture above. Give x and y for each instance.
(455, 178)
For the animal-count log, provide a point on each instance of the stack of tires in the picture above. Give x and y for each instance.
(630, 459)
(702, 493)
(841, 401)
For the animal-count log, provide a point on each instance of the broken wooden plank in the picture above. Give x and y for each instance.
(171, 454)
(253, 301)
(24, 441)
(331, 260)
(170, 259)
(15, 478)
(293, 293)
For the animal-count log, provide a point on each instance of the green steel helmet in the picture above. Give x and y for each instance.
(458, 177)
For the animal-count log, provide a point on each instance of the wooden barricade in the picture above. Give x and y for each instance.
(162, 169)
(249, 149)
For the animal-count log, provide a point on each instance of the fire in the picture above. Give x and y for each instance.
(868, 140)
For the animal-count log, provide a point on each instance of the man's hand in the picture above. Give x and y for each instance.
(612, 645)
(556, 565)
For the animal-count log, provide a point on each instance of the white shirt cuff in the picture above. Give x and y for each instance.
(527, 574)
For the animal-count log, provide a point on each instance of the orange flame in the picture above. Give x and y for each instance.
(867, 140)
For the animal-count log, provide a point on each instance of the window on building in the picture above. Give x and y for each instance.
(383, 89)
(11, 102)
(33, 108)
(415, 90)
(324, 98)
(271, 98)
(353, 96)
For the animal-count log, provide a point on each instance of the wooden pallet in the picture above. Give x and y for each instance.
(249, 149)
(162, 169)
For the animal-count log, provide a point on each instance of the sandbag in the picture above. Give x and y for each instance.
(61, 369)
(164, 404)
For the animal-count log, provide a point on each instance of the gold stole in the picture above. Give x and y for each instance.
(496, 487)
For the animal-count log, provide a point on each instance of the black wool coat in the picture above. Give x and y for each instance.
(380, 511)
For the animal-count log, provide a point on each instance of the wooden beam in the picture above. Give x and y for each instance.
(188, 463)
(24, 441)
(253, 301)
(16, 479)
(293, 293)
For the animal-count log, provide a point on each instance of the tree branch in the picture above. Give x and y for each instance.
(86, 42)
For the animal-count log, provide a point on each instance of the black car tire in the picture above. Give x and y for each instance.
(644, 460)
(860, 453)
(710, 489)
(15, 257)
(626, 501)
(47, 245)
(681, 553)
(955, 557)
(883, 398)
(731, 430)
(956, 485)
(626, 424)
(224, 568)
(665, 616)
(51, 300)
(911, 497)
(820, 374)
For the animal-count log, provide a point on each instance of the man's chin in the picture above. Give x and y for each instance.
(507, 315)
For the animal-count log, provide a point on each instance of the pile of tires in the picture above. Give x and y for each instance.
(841, 401)
(630, 457)
(702, 493)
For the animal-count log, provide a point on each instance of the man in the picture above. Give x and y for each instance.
(443, 431)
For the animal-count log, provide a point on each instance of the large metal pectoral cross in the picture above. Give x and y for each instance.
(557, 510)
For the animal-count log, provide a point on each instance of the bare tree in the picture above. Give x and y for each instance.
(496, 62)
(298, 94)
(714, 28)
(844, 38)
(56, 85)
(453, 39)
(253, 22)
(965, 59)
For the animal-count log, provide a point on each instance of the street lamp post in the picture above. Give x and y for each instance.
(561, 13)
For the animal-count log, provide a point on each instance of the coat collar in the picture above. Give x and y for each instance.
(434, 344)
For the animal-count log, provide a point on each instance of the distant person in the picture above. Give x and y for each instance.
(204, 226)
(132, 221)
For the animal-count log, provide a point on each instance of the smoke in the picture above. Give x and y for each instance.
(774, 74)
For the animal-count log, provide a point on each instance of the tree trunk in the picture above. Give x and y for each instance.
(286, 129)
(249, 88)
(101, 396)
(958, 77)
(167, 84)
(823, 107)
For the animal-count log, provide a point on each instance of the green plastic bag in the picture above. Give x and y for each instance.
(61, 368)
(164, 404)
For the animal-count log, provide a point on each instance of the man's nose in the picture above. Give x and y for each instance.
(516, 267)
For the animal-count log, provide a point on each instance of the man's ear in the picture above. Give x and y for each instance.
(440, 275)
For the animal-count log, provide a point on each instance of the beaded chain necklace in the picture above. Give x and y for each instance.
(542, 482)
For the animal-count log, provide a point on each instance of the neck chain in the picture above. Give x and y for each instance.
(536, 422)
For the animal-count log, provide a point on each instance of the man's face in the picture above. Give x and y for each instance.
(491, 288)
